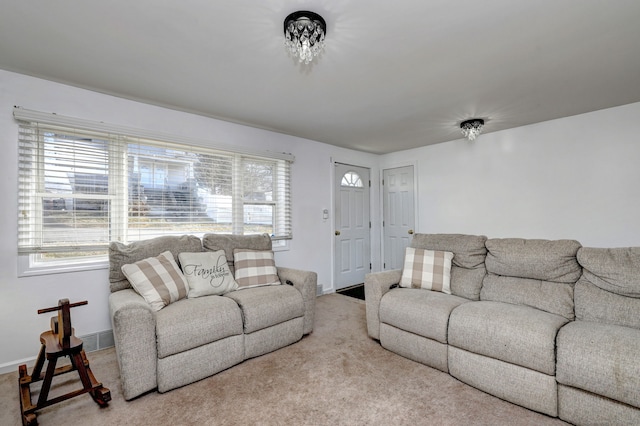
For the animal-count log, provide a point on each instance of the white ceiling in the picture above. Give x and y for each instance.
(394, 74)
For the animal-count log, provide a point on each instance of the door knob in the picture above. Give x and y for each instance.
(337, 232)
(410, 231)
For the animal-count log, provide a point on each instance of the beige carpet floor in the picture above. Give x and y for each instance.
(335, 376)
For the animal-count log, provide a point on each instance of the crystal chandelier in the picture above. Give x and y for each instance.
(471, 129)
(304, 34)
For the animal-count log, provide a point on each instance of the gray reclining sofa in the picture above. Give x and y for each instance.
(548, 325)
(194, 338)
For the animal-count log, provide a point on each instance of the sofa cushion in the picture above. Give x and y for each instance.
(263, 307)
(598, 305)
(555, 298)
(157, 279)
(425, 313)
(516, 334)
(467, 266)
(536, 273)
(602, 359)
(544, 260)
(522, 386)
(427, 269)
(467, 283)
(191, 323)
(207, 273)
(215, 242)
(469, 250)
(187, 367)
(273, 338)
(122, 254)
(616, 270)
(416, 348)
(255, 268)
(579, 407)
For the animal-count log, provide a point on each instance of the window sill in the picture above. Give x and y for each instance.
(25, 269)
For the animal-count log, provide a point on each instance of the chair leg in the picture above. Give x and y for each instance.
(28, 416)
(78, 364)
(37, 368)
(46, 384)
(29, 419)
(99, 393)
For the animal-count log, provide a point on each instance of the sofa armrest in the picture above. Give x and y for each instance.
(134, 333)
(306, 282)
(375, 286)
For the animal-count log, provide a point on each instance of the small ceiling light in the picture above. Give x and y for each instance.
(472, 128)
(304, 34)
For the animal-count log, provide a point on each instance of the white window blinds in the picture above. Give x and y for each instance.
(80, 187)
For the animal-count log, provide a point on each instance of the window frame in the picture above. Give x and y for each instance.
(28, 264)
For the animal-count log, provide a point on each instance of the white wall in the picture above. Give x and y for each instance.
(20, 298)
(576, 178)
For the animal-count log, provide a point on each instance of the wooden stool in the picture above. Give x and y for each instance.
(58, 342)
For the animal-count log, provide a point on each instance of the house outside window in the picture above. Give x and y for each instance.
(81, 189)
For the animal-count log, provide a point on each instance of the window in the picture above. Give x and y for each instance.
(81, 188)
(351, 179)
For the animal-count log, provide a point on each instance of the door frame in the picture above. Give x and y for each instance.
(416, 201)
(373, 169)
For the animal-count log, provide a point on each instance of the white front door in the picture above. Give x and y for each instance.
(353, 226)
(398, 214)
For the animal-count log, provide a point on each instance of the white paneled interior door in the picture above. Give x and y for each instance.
(398, 214)
(352, 225)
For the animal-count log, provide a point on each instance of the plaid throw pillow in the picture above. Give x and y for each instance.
(157, 279)
(255, 268)
(427, 269)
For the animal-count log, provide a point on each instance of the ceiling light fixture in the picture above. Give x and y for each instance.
(304, 34)
(472, 128)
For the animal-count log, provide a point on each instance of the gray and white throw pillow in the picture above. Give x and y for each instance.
(427, 269)
(255, 268)
(157, 279)
(207, 273)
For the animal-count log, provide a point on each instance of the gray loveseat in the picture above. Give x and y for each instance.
(548, 325)
(194, 338)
